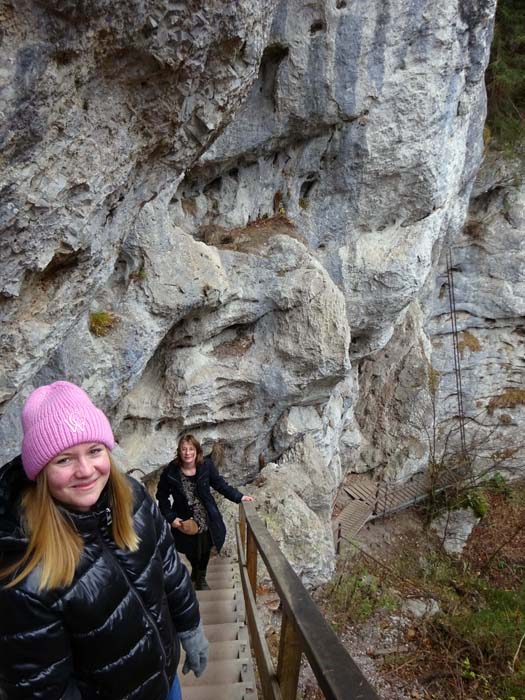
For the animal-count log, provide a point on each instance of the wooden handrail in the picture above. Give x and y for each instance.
(304, 629)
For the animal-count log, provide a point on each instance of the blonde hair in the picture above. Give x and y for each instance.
(54, 544)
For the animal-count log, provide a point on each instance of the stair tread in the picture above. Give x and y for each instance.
(222, 573)
(218, 617)
(216, 584)
(236, 691)
(219, 594)
(226, 605)
(225, 632)
(236, 649)
(222, 672)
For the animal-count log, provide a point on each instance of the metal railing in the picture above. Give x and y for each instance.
(456, 352)
(303, 628)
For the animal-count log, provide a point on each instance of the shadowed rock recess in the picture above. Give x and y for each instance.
(231, 218)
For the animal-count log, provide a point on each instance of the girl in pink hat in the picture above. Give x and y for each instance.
(94, 600)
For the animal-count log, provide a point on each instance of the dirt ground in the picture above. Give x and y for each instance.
(385, 632)
(495, 549)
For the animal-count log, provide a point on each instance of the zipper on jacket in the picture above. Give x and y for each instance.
(137, 596)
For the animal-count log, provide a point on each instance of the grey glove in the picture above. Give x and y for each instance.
(196, 646)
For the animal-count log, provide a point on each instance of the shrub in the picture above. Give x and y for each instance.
(478, 503)
(493, 631)
(355, 596)
(498, 483)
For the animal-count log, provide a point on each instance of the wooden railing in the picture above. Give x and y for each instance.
(303, 628)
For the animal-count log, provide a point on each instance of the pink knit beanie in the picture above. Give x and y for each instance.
(58, 416)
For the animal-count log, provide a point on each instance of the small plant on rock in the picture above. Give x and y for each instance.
(139, 275)
(101, 322)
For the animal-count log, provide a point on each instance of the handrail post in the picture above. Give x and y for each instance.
(242, 527)
(251, 560)
(289, 661)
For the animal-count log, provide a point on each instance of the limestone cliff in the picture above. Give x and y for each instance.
(256, 194)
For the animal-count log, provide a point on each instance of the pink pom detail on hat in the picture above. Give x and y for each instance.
(58, 416)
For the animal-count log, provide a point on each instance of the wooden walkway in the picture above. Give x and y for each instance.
(361, 499)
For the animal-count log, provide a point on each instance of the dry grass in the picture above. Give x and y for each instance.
(474, 229)
(253, 237)
(468, 340)
(235, 347)
(510, 398)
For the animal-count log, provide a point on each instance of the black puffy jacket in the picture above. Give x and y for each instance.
(170, 484)
(111, 634)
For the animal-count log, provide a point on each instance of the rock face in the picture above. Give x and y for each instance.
(488, 259)
(105, 106)
(394, 411)
(254, 195)
(408, 406)
(271, 333)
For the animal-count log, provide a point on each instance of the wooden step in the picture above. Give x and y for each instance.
(236, 691)
(362, 489)
(222, 571)
(215, 581)
(237, 649)
(215, 594)
(224, 605)
(222, 564)
(352, 518)
(217, 612)
(222, 672)
(226, 632)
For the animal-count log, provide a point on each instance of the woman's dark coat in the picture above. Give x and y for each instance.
(170, 484)
(111, 634)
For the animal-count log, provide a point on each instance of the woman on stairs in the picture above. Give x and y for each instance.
(195, 519)
(94, 600)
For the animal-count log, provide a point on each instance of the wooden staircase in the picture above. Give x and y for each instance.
(362, 499)
(229, 674)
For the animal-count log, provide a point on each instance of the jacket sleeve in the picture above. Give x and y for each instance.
(182, 601)
(220, 484)
(35, 654)
(163, 496)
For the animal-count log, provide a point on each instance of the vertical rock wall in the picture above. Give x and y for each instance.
(408, 406)
(254, 194)
(488, 260)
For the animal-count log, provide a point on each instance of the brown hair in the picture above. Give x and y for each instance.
(188, 437)
(54, 543)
